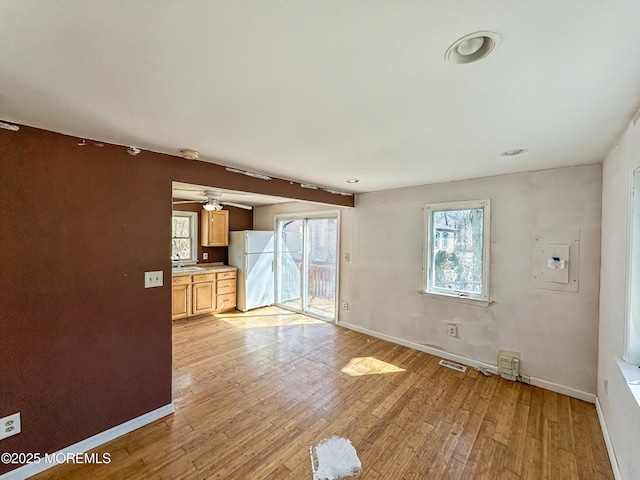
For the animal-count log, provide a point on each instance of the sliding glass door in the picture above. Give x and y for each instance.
(306, 267)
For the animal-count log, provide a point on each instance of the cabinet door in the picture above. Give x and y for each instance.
(203, 298)
(215, 228)
(226, 301)
(180, 301)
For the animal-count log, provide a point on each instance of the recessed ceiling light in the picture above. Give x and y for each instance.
(353, 180)
(514, 152)
(472, 47)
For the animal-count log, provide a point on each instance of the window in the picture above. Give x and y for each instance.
(458, 265)
(633, 287)
(184, 238)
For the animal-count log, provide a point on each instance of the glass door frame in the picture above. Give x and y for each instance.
(304, 290)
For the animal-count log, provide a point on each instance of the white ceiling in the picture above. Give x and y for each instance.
(322, 91)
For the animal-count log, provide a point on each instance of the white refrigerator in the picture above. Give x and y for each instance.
(252, 253)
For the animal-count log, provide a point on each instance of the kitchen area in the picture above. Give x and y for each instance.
(220, 263)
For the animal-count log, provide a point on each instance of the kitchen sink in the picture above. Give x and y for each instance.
(188, 269)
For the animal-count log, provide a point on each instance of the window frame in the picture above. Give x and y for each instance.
(193, 236)
(631, 352)
(428, 251)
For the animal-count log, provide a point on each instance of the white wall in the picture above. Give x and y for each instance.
(621, 412)
(555, 332)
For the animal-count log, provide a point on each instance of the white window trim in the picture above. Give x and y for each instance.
(628, 364)
(193, 234)
(632, 332)
(463, 297)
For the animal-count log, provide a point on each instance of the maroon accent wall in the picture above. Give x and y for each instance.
(239, 219)
(85, 346)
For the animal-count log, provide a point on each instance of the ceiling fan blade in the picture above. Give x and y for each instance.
(187, 201)
(237, 205)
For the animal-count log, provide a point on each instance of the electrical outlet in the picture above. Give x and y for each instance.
(453, 330)
(205, 256)
(10, 425)
(153, 279)
(345, 305)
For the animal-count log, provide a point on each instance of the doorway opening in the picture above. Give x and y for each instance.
(307, 264)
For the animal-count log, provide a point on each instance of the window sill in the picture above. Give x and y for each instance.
(631, 374)
(455, 298)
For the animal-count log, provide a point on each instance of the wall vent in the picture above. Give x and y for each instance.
(453, 366)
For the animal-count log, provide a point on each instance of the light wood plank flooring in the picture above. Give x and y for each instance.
(253, 391)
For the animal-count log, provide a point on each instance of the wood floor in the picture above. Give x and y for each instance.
(252, 393)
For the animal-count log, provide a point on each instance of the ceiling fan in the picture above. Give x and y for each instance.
(213, 201)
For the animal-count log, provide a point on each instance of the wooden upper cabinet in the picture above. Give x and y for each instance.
(215, 228)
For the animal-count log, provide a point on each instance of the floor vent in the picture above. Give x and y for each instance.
(453, 366)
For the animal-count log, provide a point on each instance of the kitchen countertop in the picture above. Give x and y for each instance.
(208, 268)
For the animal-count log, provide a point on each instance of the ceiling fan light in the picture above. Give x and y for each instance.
(212, 205)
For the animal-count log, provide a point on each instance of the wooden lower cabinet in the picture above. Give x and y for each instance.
(180, 297)
(202, 293)
(226, 291)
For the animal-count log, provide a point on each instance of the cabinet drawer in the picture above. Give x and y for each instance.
(204, 277)
(227, 300)
(181, 280)
(226, 275)
(226, 286)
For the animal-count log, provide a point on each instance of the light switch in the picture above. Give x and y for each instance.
(153, 279)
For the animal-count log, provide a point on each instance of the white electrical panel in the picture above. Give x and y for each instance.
(556, 261)
(557, 257)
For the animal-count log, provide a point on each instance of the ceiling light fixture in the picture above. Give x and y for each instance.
(212, 201)
(472, 47)
(133, 151)
(189, 154)
(212, 205)
(352, 180)
(82, 143)
(513, 152)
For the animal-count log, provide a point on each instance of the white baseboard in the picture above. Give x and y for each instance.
(90, 443)
(570, 392)
(423, 348)
(538, 382)
(607, 440)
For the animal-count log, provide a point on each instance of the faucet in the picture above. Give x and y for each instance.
(179, 260)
